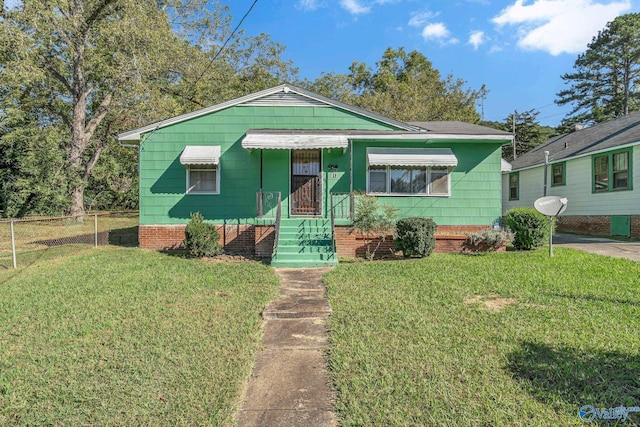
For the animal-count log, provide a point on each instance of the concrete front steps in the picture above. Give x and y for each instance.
(304, 243)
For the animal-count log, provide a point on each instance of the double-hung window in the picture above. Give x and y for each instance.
(612, 171)
(558, 174)
(420, 172)
(202, 163)
(514, 186)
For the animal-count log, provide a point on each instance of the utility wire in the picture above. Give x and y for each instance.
(193, 85)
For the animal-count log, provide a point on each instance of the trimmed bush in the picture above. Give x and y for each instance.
(415, 236)
(488, 240)
(201, 238)
(530, 228)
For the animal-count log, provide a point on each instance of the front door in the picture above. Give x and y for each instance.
(306, 182)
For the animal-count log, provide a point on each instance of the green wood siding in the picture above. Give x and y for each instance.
(163, 178)
(476, 187)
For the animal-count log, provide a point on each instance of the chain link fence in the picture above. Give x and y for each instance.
(24, 240)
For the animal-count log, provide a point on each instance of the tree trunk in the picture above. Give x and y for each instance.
(77, 199)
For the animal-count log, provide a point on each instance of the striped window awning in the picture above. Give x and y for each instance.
(411, 157)
(294, 141)
(200, 155)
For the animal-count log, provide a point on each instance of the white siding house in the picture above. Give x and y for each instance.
(597, 169)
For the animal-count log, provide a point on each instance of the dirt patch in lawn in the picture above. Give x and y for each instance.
(491, 302)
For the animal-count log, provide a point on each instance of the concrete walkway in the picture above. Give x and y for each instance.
(598, 245)
(290, 384)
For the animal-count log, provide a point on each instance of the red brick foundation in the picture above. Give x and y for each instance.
(635, 226)
(597, 225)
(254, 240)
(257, 240)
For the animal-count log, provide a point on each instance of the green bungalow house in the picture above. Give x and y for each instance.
(277, 171)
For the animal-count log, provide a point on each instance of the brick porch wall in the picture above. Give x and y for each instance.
(255, 240)
(449, 238)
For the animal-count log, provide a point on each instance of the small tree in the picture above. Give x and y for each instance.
(373, 221)
(201, 238)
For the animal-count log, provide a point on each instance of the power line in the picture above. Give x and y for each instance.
(193, 85)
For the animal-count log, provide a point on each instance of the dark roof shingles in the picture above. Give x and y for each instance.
(608, 135)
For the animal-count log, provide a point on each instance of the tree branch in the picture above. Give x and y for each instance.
(99, 114)
(55, 73)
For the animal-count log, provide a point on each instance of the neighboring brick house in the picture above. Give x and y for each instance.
(597, 169)
(290, 154)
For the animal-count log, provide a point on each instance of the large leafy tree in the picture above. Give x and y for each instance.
(91, 68)
(404, 86)
(605, 82)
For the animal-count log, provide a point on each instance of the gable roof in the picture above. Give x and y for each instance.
(615, 133)
(291, 94)
(460, 128)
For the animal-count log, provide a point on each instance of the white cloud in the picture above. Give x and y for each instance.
(355, 7)
(559, 26)
(476, 39)
(309, 5)
(418, 19)
(438, 31)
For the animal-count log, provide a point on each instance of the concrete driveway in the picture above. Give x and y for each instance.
(598, 245)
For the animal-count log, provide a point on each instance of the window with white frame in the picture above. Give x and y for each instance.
(426, 181)
(203, 179)
(203, 170)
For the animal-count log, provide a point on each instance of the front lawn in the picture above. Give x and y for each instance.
(114, 336)
(498, 339)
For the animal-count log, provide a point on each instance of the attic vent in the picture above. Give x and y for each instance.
(283, 99)
(577, 127)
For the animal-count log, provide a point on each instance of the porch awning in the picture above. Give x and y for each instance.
(411, 157)
(200, 155)
(294, 141)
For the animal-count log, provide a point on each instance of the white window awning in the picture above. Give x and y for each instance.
(200, 155)
(411, 157)
(294, 141)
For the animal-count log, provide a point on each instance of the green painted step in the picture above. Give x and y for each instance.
(304, 243)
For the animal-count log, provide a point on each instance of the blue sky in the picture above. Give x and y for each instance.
(519, 49)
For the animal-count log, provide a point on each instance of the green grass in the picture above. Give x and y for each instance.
(114, 336)
(414, 342)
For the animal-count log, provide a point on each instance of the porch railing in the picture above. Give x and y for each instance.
(277, 226)
(267, 204)
(333, 225)
(342, 205)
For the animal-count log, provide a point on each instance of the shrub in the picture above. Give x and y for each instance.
(201, 238)
(373, 221)
(488, 240)
(415, 236)
(530, 228)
